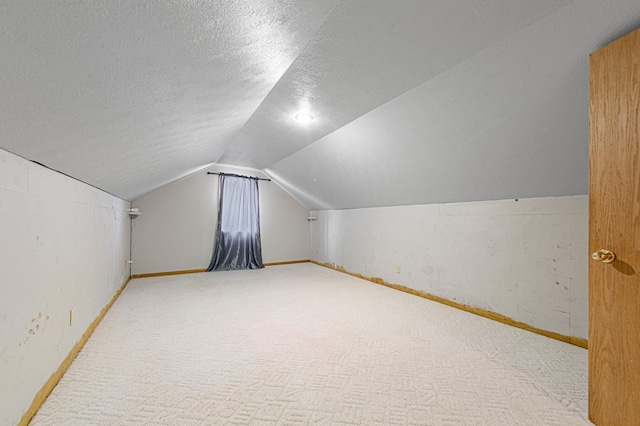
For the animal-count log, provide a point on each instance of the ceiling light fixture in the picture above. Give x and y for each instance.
(304, 117)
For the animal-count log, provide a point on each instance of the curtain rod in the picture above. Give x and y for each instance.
(232, 174)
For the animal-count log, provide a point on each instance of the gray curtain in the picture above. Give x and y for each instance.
(237, 243)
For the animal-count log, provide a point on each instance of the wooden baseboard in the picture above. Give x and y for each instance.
(162, 274)
(288, 262)
(44, 392)
(577, 341)
(195, 271)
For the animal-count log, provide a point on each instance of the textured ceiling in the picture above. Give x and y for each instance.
(365, 54)
(130, 95)
(509, 122)
(414, 101)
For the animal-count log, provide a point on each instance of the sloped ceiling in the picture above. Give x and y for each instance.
(413, 101)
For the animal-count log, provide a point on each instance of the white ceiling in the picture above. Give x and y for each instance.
(414, 101)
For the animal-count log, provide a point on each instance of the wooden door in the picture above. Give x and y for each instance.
(614, 224)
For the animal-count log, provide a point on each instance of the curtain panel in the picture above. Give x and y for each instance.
(237, 243)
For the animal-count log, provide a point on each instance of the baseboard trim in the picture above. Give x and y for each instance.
(162, 274)
(577, 341)
(195, 271)
(288, 262)
(50, 384)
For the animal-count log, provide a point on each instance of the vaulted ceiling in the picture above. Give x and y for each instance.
(413, 101)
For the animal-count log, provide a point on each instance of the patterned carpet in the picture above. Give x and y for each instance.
(301, 344)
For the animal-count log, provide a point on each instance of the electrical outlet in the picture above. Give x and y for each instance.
(72, 317)
(398, 269)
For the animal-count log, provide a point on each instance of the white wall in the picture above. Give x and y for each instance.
(525, 259)
(63, 246)
(176, 230)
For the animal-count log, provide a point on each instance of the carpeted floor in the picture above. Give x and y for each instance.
(301, 344)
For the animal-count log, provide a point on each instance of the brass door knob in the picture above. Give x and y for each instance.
(604, 256)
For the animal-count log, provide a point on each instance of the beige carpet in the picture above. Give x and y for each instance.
(301, 344)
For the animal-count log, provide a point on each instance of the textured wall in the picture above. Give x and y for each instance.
(63, 246)
(525, 259)
(177, 228)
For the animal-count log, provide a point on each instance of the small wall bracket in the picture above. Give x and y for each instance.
(133, 213)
